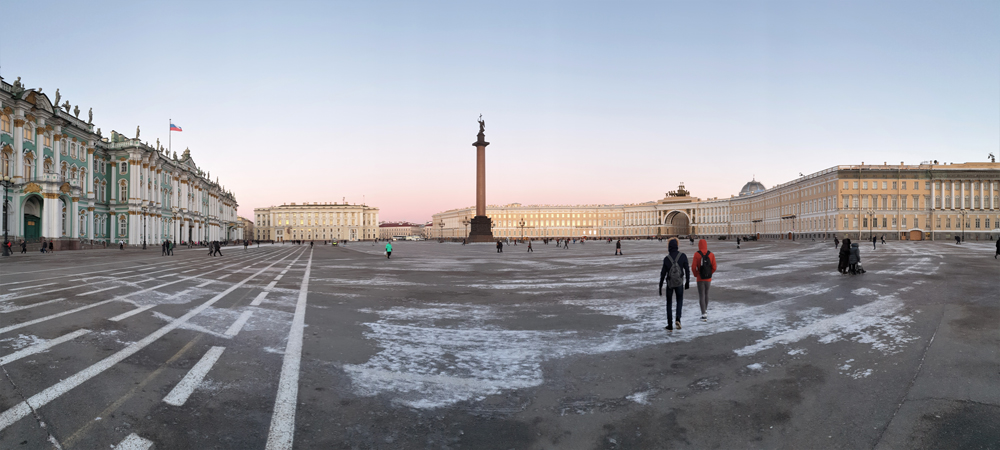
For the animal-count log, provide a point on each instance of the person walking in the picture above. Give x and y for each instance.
(170, 247)
(499, 246)
(677, 272)
(994, 256)
(854, 258)
(618, 247)
(121, 245)
(883, 239)
(52, 247)
(218, 248)
(958, 240)
(703, 265)
(529, 247)
(836, 242)
(163, 248)
(737, 242)
(388, 250)
(24, 246)
(873, 242)
(246, 243)
(845, 255)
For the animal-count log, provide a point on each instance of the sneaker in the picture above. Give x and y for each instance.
(668, 328)
(704, 317)
(677, 324)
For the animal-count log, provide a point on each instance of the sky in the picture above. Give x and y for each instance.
(584, 102)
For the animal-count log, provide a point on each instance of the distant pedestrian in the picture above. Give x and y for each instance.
(163, 248)
(678, 275)
(388, 250)
(499, 246)
(24, 246)
(873, 242)
(170, 247)
(737, 242)
(218, 247)
(529, 247)
(836, 242)
(844, 256)
(994, 256)
(703, 266)
(958, 240)
(618, 247)
(52, 247)
(854, 259)
(246, 243)
(883, 239)
(121, 245)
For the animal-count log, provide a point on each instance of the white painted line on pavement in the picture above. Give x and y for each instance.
(178, 294)
(224, 276)
(104, 302)
(271, 285)
(189, 270)
(282, 431)
(278, 277)
(183, 390)
(134, 442)
(47, 291)
(42, 347)
(238, 325)
(19, 308)
(99, 290)
(30, 287)
(22, 410)
(284, 271)
(260, 298)
(126, 315)
(204, 284)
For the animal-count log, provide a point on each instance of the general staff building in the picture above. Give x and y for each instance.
(912, 202)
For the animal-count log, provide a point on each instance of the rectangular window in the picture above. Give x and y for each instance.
(894, 185)
(885, 222)
(855, 185)
(977, 223)
(987, 223)
(894, 221)
(947, 223)
(938, 222)
(904, 222)
(902, 202)
(864, 185)
(927, 185)
(864, 222)
(916, 222)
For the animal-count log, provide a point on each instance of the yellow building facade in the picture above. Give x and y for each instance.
(914, 202)
(316, 222)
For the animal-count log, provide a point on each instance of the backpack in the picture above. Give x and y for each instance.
(674, 274)
(705, 268)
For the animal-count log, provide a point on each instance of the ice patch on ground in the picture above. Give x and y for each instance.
(23, 340)
(864, 291)
(641, 398)
(757, 367)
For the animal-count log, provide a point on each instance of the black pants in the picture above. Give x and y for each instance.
(388, 255)
(679, 290)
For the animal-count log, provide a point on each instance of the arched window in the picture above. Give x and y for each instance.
(83, 225)
(123, 168)
(122, 225)
(62, 169)
(83, 175)
(29, 165)
(65, 148)
(29, 134)
(47, 140)
(6, 156)
(97, 190)
(5, 124)
(122, 191)
(72, 173)
(47, 165)
(104, 191)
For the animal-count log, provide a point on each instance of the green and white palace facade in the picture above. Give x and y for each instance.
(74, 187)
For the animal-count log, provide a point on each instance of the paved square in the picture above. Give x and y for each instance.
(450, 346)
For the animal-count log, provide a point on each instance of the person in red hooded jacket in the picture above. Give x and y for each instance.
(704, 280)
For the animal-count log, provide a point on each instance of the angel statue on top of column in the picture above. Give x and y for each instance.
(482, 124)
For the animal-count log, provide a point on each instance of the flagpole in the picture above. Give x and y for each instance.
(170, 137)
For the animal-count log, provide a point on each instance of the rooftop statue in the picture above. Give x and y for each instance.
(98, 132)
(76, 111)
(137, 131)
(58, 96)
(66, 106)
(482, 124)
(90, 116)
(18, 88)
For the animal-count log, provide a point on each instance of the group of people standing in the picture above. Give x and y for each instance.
(167, 248)
(676, 272)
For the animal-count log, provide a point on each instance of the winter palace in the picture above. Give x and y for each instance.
(72, 186)
(316, 221)
(914, 202)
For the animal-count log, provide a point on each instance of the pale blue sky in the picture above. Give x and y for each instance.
(603, 102)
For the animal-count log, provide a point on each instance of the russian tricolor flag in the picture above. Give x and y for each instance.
(175, 128)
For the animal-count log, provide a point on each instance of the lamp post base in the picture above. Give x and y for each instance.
(481, 229)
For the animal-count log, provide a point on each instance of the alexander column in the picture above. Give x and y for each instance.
(481, 229)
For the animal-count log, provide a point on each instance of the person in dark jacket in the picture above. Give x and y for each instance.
(52, 248)
(499, 246)
(674, 256)
(845, 254)
(994, 256)
(24, 246)
(836, 242)
(618, 247)
(854, 258)
(873, 242)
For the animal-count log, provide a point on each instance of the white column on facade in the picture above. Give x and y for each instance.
(56, 149)
(39, 152)
(89, 187)
(113, 226)
(73, 216)
(963, 194)
(90, 223)
(19, 174)
(951, 192)
(982, 198)
(933, 193)
(49, 205)
(992, 193)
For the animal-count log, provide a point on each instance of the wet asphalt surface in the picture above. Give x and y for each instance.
(450, 346)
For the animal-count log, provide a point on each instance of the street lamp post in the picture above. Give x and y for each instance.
(521, 224)
(964, 214)
(144, 209)
(6, 182)
(871, 218)
(466, 222)
(441, 227)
